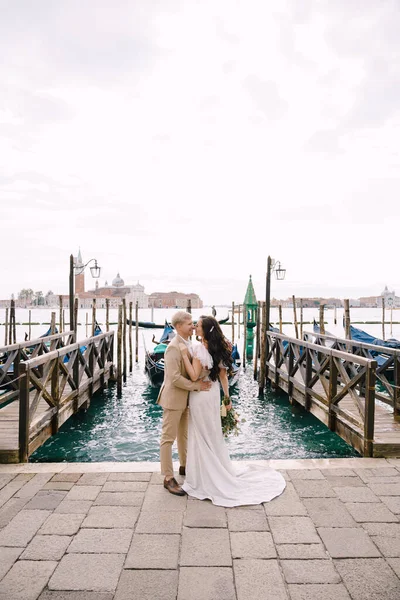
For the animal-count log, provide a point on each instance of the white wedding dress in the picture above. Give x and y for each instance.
(209, 470)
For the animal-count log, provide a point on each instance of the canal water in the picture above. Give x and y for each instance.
(128, 428)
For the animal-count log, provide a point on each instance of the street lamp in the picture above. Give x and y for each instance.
(276, 267)
(95, 271)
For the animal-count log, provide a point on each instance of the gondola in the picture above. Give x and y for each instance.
(154, 361)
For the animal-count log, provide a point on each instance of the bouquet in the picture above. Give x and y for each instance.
(229, 419)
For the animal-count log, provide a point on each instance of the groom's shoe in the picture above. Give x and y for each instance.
(182, 471)
(173, 487)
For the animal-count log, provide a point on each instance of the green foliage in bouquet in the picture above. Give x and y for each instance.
(229, 419)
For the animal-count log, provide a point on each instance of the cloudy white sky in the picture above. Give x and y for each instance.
(180, 142)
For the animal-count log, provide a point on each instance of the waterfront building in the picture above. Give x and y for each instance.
(174, 300)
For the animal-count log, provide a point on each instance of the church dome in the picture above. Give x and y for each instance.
(118, 281)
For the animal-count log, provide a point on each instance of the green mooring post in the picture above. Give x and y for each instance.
(250, 305)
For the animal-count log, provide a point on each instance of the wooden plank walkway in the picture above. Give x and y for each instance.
(52, 387)
(339, 389)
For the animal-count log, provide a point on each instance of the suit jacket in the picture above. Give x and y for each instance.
(175, 389)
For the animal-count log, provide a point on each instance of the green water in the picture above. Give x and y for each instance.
(128, 428)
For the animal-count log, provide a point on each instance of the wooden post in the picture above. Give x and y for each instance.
(55, 391)
(396, 387)
(280, 318)
(29, 324)
(71, 294)
(76, 362)
(152, 314)
(301, 318)
(370, 380)
(321, 319)
(333, 377)
(296, 327)
(391, 320)
(107, 314)
(87, 324)
(244, 337)
(335, 315)
(383, 318)
(347, 319)
(307, 395)
(189, 306)
(124, 367)
(257, 354)
(137, 332)
(14, 332)
(23, 432)
(290, 371)
(53, 323)
(6, 328)
(239, 322)
(61, 314)
(93, 316)
(63, 319)
(130, 338)
(233, 322)
(277, 360)
(119, 351)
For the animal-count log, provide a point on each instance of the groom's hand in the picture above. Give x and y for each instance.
(205, 385)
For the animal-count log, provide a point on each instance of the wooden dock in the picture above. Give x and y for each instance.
(338, 384)
(45, 382)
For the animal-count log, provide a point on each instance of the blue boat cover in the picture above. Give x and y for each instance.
(168, 333)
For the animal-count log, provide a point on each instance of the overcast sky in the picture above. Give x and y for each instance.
(180, 142)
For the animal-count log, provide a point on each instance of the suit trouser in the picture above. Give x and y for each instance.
(174, 426)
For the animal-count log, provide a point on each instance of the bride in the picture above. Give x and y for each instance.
(209, 470)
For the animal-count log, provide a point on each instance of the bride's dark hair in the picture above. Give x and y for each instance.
(218, 345)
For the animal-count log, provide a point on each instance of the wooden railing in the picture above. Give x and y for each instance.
(387, 373)
(324, 377)
(13, 355)
(65, 379)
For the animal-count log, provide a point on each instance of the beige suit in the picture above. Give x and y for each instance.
(173, 397)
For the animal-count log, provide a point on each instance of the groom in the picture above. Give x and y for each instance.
(173, 397)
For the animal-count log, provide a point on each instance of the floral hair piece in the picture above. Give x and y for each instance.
(211, 328)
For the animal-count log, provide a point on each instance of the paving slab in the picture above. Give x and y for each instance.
(336, 482)
(309, 571)
(72, 477)
(389, 546)
(26, 579)
(104, 541)
(305, 474)
(393, 503)
(59, 485)
(356, 494)
(329, 512)
(83, 492)
(309, 591)
(372, 512)
(252, 544)
(247, 520)
(34, 485)
(205, 548)
(91, 572)
(8, 556)
(10, 509)
(119, 517)
(130, 476)
(157, 496)
(314, 488)
(119, 499)
(62, 595)
(46, 500)
(385, 489)
(293, 530)
(258, 580)
(23, 527)
(147, 585)
(160, 522)
(339, 473)
(202, 513)
(9, 490)
(46, 547)
(301, 551)
(153, 551)
(6, 478)
(79, 507)
(369, 474)
(125, 486)
(369, 579)
(93, 479)
(395, 564)
(346, 542)
(206, 583)
(287, 504)
(61, 524)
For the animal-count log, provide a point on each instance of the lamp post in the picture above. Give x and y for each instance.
(272, 265)
(95, 271)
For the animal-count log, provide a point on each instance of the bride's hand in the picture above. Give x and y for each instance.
(229, 406)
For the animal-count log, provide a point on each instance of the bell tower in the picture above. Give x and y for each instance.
(79, 275)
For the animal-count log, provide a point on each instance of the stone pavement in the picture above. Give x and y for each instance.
(109, 531)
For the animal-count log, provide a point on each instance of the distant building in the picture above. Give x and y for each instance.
(391, 300)
(174, 300)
